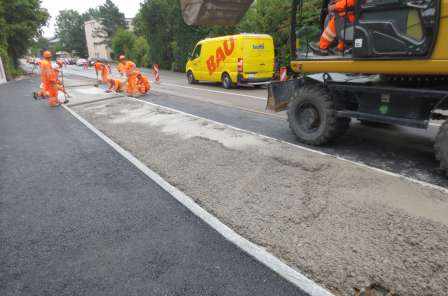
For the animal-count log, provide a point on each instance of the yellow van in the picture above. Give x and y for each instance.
(232, 60)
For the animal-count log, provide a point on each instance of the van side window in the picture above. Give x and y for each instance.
(197, 51)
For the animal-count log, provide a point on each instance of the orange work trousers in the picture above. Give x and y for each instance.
(51, 89)
(329, 35)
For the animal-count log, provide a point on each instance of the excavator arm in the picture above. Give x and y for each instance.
(214, 12)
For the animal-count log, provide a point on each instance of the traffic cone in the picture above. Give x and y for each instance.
(283, 74)
(156, 72)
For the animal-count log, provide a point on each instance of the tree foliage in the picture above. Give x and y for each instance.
(140, 52)
(160, 22)
(171, 40)
(38, 45)
(111, 20)
(123, 42)
(20, 23)
(70, 31)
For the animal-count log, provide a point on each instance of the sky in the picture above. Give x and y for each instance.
(128, 7)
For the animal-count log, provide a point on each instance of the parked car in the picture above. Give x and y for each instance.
(81, 62)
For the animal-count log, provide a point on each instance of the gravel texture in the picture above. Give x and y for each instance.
(341, 224)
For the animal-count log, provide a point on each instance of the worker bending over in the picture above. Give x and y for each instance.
(341, 14)
(104, 69)
(130, 70)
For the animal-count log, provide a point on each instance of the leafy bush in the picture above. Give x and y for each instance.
(123, 42)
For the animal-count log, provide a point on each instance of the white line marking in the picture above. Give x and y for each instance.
(252, 249)
(359, 164)
(435, 124)
(213, 91)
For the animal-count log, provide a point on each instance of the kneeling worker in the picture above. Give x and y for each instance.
(143, 83)
(115, 85)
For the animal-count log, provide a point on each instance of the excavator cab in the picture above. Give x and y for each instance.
(214, 12)
(383, 29)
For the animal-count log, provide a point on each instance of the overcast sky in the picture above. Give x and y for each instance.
(128, 7)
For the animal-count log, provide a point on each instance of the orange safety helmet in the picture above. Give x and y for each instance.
(47, 54)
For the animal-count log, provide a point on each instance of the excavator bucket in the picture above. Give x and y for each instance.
(214, 12)
(280, 93)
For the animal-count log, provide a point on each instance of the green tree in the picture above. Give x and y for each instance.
(140, 52)
(111, 20)
(20, 23)
(38, 45)
(161, 22)
(123, 43)
(70, 31)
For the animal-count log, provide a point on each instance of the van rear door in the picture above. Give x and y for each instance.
(258, 58)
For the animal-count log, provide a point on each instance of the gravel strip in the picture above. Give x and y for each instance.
(343, 225)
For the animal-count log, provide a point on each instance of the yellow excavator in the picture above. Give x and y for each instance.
(395, 70)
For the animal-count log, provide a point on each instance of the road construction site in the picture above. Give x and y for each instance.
(345, 217)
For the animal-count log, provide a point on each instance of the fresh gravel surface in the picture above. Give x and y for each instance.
(341, 224)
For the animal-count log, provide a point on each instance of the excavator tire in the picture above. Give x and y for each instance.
(312, 117)
(441, 147)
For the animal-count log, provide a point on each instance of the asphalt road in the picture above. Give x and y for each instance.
(78, 219)
(405, 151)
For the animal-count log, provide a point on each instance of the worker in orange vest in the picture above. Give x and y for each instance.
(120, 69)
(105, 71)
(143, 83)
(49, 77)
(130, 70)
(98, 66)
(341, 12)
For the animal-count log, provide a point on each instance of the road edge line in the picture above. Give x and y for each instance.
(359, 164)
(259, 253)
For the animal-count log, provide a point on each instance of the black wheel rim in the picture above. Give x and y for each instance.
(308, 118)
(190, 77)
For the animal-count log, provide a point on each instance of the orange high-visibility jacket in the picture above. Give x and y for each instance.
(105, 70)
(47, 73)
(98, 66)
(130, 68)
(345, 7)
(120, 69)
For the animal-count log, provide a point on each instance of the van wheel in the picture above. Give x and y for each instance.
(312, 117)
(441, 147)
(226, 81)
(190, 78)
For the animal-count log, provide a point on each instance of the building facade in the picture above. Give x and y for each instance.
(96, 45)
